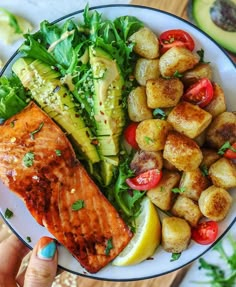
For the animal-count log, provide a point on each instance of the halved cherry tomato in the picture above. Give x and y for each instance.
(130, 135)
(205, 233)
(145, 180)
(200, 93)
(175, 38)
(231, 152)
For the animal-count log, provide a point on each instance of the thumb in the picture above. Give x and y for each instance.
(42, 267)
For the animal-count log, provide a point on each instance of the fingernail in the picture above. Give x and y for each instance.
(46, 248)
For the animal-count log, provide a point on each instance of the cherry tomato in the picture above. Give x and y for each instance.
(231, 152)
(205, 233)
(175, 38)
(200, 93)
(145, 180)
(130, 135)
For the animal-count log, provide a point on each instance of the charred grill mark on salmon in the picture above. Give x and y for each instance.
(50, 182)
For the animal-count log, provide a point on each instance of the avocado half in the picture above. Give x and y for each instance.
(218, 19)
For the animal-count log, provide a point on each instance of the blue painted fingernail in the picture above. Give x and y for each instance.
(46, 248)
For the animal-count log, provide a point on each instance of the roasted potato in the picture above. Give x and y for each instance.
(177, 59)
(145, 160)
(221, 129)
(163, 93)
(146, 69)
(146, 43)
(209, 157)
(201, 138)
(189, 119)
(137, 105)
(161, 195)
(169, 166)
(217, 104)
(223, 173)
(176, 234)
(151, 134)
(182, 152)
(201, 70)
(193, 183)
(186, 208)
(215, 202)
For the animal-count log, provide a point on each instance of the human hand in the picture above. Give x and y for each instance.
(41, 269)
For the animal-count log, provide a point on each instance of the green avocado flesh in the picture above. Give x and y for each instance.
(205, 15)
(56, 100)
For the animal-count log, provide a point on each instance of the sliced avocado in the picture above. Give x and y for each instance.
(107, 108)
(218, 19)
(56, 100)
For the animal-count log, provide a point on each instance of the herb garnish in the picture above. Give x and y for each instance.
(175, 256)
(77, 205)
(159, 114)
(36, 131)
(148, 140)
(109, 246)
(201, 55)
(58, 152)
(28, 159)
(224, 147)
(28, 238)
(177, 74)
(204, 170)
(178, 189)
(8, 213)
(12, 21)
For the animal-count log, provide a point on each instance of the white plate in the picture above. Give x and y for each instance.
(24, 225)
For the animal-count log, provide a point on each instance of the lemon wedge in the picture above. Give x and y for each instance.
(146, 238)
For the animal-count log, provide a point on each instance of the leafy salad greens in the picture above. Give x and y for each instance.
(81, 74)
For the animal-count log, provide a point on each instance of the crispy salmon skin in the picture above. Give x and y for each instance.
(38, 163)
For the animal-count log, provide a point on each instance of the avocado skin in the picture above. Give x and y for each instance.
(201, 14)
(56, 100)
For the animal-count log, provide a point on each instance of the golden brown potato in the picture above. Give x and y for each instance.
(176, 234)
(161, 195)
(215, 202)
(223, 173)
(182, 152)
(146, 69)
(146, 43)
(163, 93)
(169, 166)
(137, 105)
(201, 138)
(193, 183)
(222, 129)
(177, 59)
(209, 157)
(201, 70)
(217, 104)
(189, 119)
(151, 134)
(146, 160)
(186, 208)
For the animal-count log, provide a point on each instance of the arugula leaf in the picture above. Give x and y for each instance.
(127, 200)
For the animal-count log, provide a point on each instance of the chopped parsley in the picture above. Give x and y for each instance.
(77, 205)
(175, 256)
(159, 114)
(109, 246)
(148, 140)
(36, 131)
(28, 238)
(178, 189)
(224, 147)
(58, 152)
(177, 74)
(204, 170)
(8, 213)
(201, 55)
(28, 159)
(12, 124)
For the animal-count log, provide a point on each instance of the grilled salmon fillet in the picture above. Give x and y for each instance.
(38, 163)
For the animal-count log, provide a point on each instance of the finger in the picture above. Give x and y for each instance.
(12, 251)
(42, 267)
